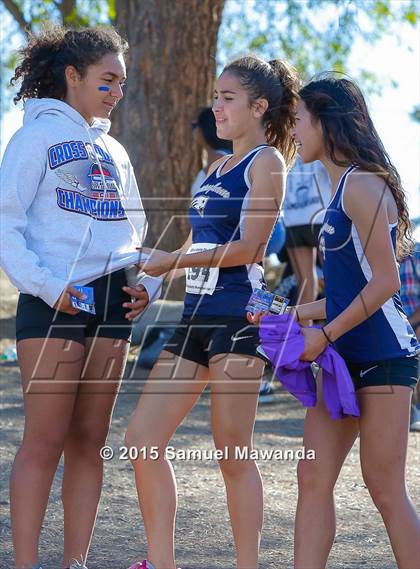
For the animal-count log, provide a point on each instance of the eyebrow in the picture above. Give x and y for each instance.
(114, 75)
(226, 91)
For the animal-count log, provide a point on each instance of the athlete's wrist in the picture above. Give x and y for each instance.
(180, 260)
(293, 311)
(331, 332)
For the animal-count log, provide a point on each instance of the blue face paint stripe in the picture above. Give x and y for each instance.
(104, 88)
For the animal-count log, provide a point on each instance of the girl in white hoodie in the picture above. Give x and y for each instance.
(72, 215)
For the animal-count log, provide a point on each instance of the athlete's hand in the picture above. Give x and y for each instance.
(139, 301)
(63, 303)
(315, 343)
(158, 263)
(255, 318)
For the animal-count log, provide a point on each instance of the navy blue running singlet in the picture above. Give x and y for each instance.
(386, 334)
(216, 215)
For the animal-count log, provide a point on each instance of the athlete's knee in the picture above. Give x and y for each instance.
(134, 437)
(42, 451)
(235, 466)
(312, 478)
(384, 488)
(237, 458)
(86, 439)
(383, 498)
(142, 444)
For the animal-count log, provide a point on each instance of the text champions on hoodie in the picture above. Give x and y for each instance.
(71, 208)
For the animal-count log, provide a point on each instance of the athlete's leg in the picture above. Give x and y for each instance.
(50, 371)
(383, 456)
(315, 515)
(303, 260)
(83, 466)
(171, 390)
(235, 382)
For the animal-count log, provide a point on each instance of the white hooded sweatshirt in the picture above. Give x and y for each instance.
(70, 207)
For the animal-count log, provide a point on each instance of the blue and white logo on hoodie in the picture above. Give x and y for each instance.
(99, 198)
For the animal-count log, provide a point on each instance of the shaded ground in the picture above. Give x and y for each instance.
(203, 530)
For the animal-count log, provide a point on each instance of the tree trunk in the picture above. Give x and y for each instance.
(171, 71)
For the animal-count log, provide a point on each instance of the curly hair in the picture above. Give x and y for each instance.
(347, 128)
(47, 54)
(277, 81)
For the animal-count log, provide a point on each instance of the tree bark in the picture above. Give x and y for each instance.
(171, 70)
(67, 8)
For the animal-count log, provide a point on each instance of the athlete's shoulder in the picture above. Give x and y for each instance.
(365, 195)
(37, 129)
(29, 140)
(270, 156)
(363, 185)
(267, 162)
(268, 172)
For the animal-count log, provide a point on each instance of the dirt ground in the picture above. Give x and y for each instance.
(203, 531)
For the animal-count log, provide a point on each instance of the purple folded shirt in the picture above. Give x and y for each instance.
(283, 343)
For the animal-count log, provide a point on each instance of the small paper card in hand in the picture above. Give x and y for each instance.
(264, 301)
(88, 304)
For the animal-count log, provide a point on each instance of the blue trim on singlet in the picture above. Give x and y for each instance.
(216, 216)
(386, 334)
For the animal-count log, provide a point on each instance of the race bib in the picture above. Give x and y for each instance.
(201, 280)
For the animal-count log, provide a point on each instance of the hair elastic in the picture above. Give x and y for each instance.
(325, 334)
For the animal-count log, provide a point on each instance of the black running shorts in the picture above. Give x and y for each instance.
(398, 371)
(35, 319)
(302, 236)
(200, 338)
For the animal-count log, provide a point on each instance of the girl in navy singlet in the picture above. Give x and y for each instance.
(232, 216)
(366, 227)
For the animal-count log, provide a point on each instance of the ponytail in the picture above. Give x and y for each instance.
(280, 119)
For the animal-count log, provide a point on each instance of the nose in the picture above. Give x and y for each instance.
(117, 91)
(217, 105)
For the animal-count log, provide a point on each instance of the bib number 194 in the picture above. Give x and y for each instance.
(201, 280)
(201, 273)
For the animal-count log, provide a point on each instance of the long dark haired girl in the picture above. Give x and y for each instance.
(364, 225)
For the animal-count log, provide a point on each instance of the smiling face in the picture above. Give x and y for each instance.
(88, 95)
(308, 135)
(232, 110)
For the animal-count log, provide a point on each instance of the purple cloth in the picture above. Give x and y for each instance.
(283, 344)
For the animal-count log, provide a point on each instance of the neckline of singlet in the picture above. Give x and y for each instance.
(218, 171)
(340, 184)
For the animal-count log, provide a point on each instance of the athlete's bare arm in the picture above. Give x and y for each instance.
(312, 310)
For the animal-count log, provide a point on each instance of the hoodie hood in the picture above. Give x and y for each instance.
(35, 108)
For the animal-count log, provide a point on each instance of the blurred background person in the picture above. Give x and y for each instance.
(410, 298)
(308, 192)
